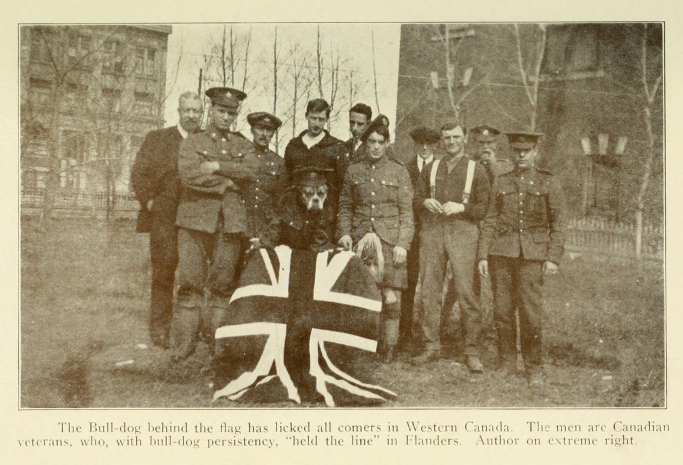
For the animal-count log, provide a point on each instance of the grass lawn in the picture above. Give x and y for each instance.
(84, 311)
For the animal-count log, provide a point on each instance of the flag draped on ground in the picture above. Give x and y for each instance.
(307, 320)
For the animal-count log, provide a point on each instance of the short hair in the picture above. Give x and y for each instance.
(318, 105)
(362, 109)
(379, 129)
(189, 95)
(452, 125)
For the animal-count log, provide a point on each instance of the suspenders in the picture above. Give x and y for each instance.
(468, 180)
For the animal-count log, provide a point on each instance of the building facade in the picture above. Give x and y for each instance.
(581, 84)
(89, 94)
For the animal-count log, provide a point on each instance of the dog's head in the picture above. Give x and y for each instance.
(313, 188)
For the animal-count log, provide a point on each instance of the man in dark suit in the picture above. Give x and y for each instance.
(360, 116)
(156, 184)
(425, 140)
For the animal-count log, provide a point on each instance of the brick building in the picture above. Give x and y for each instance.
(586, 79)
(89, 94)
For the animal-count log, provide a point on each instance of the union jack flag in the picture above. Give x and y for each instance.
(308, 320)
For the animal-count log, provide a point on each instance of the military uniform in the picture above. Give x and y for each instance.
(212, 220)
(264, 194)
(376, 198)
(450, 239)
(524, 227)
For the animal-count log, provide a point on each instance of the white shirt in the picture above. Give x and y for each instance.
(311, 141)
(421, 162)
(182, 131)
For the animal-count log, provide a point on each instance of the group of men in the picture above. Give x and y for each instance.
(209, 196)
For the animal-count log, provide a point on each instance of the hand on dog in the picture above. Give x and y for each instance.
(400, 255)
(346, 242)
(255, 243)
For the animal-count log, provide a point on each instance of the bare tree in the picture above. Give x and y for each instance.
(650, 88)
(531, 79)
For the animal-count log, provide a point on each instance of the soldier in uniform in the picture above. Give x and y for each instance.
(376, 203)
(270, 183)
(216, 168)
(486, 151)
(425, 140)
(452, 196)
(522, 240)
(156, 184)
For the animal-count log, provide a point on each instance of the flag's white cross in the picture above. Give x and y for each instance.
(326, 275)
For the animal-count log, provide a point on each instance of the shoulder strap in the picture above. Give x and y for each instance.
(468, 181)
(432, 178)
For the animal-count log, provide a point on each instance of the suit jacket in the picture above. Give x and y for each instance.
(155, 176)
(526, 217)
(208, 198)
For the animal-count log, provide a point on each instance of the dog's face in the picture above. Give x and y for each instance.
(313, 196)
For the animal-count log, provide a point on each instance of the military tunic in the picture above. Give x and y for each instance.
(212, 221)
(377, 197)
(523, 228)
(264, 194)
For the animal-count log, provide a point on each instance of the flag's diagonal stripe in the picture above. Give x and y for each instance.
(273, 352)
(277, 287)
(326, 275)
(347, 376)
(316, 341)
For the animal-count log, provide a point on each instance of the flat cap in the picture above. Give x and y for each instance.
(381, 120)
(523, 140)
(264, 120)
(422, 135)
(225, 96)
(485, 133)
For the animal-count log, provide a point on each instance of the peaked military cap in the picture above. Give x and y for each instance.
(264, 120)
(225, 96)
(381, 120)
(523, 140)
(312, 176)
(424, 135)
(485, 133)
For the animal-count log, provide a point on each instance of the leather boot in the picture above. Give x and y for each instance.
(186, 321)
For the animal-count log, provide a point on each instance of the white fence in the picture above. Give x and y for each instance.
(602, 236)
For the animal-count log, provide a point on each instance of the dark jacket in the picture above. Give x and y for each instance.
(155, 176)
(377, 198)
(325, 154)
(526, 217)
(205, 196)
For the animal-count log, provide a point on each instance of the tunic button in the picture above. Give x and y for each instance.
(373, 167)
(291, 223)
(205, 152)
(383, 182)
(372, 179)
(223, 139)
(223, 152)
(257, 188)
(521, 194)
(372, 193)
(372, 219)
(372, 206)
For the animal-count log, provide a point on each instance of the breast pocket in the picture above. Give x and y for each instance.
(537, 204)
(506, 201)
(360, 191)
(389, 191)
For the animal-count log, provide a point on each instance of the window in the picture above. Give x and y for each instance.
(76, 93)
(41, 90)
(78, 47)
(144, 102)
(454, 32)
(113, 57)
(109, 146)
(41, 39)
(73, 146)
(145, 59)
(572, 51)
(112, 98)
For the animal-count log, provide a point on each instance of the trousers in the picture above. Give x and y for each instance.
(163, 247)
(454, 242)
(206, 261)
(517, 286)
